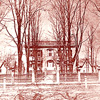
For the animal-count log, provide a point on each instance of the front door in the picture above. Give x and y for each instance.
(50, 65)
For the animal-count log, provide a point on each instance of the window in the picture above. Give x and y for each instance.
(39, 53)
(50, 52)
(39, 58)
(31, 52)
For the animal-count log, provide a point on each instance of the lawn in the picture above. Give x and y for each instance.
(50, 92)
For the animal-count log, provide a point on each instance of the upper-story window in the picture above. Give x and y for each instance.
(39, 53)
(50, 52)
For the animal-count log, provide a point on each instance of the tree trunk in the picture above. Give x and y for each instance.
(19, 60)
(35, 56)
(19, 49)
(28, 61)
(69, 39)
(28, 51)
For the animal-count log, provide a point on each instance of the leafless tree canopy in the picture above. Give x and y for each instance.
(68, 20)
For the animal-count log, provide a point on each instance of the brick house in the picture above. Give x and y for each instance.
(47, 56)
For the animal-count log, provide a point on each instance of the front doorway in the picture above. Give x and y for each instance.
(50, 65)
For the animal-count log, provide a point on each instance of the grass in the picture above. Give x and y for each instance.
(50, 92)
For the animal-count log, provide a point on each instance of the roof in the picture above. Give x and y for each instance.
(51, 44)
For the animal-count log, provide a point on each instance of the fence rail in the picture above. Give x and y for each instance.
(41, 77)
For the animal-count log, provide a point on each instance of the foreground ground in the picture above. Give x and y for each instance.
(50, 92)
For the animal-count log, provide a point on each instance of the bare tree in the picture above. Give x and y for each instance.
(9, 61)
(68, 19)
(32, 36)
(91, 40)
(94, 33)
(35, 24)
(3, 12)
(17, 9)
(25, 19)
(90, 49)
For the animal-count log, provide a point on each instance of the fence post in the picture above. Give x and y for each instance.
(79, 75)
(33, 76)
(12, 78)
(99, 73)
(4, 83)
(85, 82)
(57, 75)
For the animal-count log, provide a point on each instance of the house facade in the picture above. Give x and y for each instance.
(45, 56)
